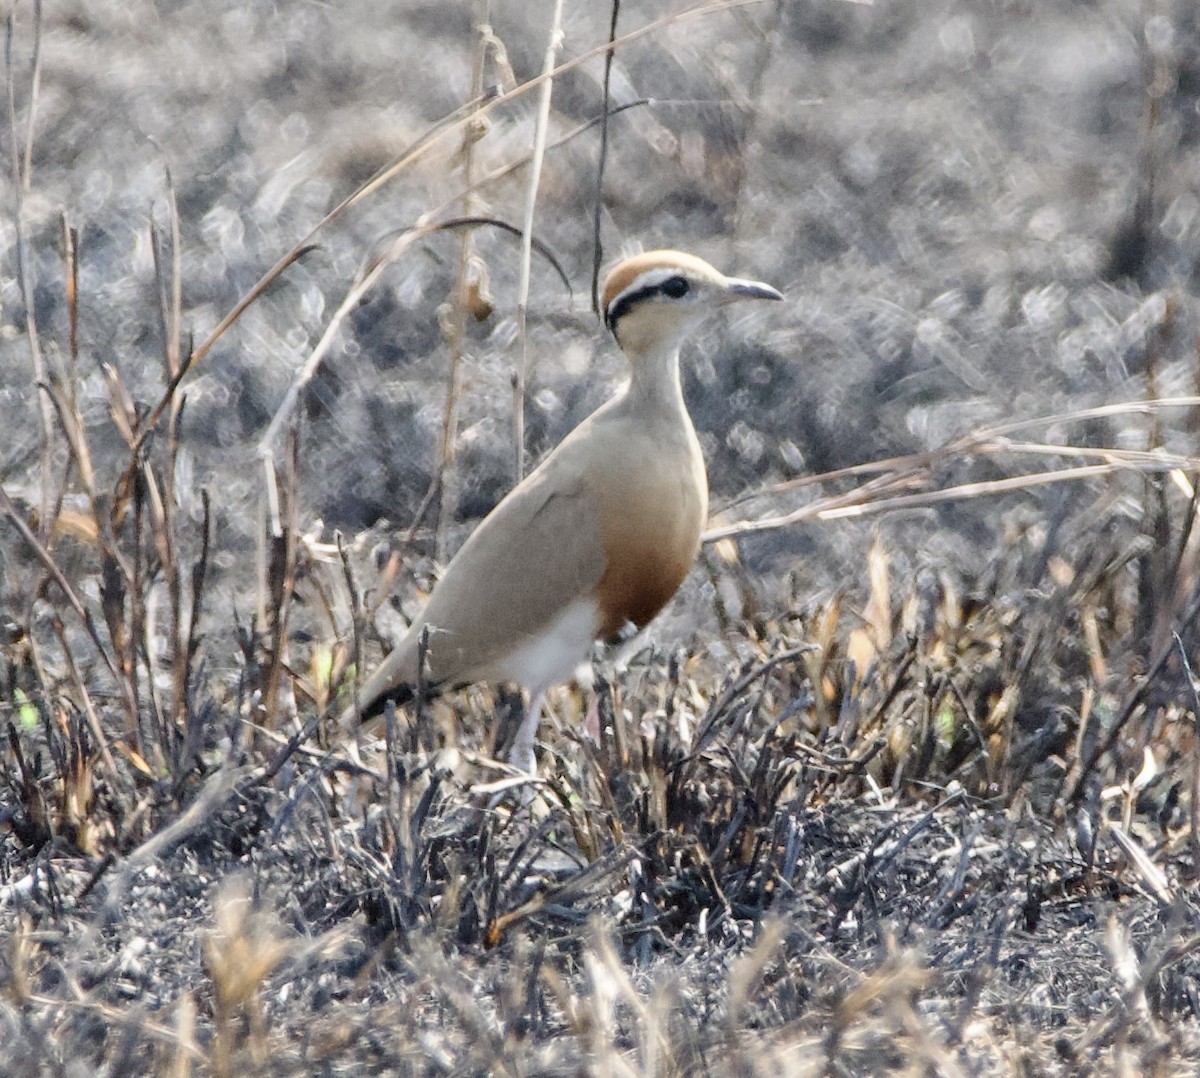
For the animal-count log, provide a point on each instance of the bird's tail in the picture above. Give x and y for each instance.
(394, 680)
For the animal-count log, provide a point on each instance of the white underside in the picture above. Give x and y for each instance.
(552, 656)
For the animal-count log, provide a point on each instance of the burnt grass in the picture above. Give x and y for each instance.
(904, 784)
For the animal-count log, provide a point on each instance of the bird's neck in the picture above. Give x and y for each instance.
(654, 380)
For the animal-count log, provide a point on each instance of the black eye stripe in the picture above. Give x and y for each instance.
(674, 287)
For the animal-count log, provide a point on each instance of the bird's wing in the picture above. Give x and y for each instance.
(534, 554)
(538, 551)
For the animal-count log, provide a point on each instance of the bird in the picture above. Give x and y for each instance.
(592, 544)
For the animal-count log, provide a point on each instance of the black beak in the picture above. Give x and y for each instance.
(738, 289)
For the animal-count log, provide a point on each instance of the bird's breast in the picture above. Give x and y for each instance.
(651, 535)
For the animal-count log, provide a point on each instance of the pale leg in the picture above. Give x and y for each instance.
(521, 755)
(591, 721)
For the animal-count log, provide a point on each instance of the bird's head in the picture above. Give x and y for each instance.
(652, 300)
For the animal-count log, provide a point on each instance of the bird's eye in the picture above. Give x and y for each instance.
(675, 287)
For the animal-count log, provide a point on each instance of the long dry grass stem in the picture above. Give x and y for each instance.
(531, 193)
